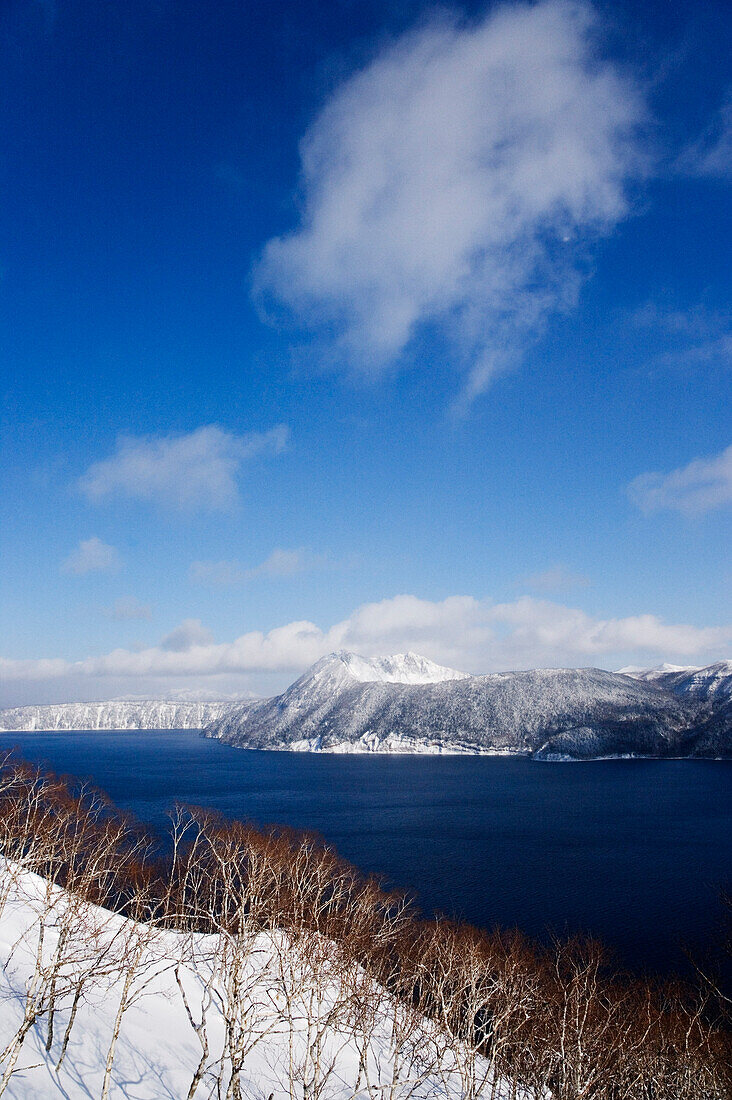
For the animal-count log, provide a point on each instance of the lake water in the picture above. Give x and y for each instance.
(632, 851)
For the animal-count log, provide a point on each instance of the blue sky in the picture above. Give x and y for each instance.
(371, 325)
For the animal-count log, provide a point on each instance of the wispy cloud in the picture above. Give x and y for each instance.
(689, 338)
(127, 609)
(280, 563)
(467, 633)
(701, 486)
(711, 154)
(92, 556)
(220, 574)
(556, 579)
(285, 563)
(456, 182)
(194, 471)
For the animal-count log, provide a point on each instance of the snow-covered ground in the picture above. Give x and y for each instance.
(297, 1012)
(157, 1049)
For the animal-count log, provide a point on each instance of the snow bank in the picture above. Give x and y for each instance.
(293, 1006)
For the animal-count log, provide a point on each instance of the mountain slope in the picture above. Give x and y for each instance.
(117, 714)
(711, 683)
(577, 713)
(711, 686)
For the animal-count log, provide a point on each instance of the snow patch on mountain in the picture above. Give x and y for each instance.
(400, 668)
(640, 672)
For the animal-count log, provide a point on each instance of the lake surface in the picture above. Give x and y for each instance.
(632, 851)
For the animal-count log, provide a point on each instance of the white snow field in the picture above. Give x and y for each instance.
(301, 1025)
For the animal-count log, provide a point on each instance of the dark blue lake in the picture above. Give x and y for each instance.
(632, 851)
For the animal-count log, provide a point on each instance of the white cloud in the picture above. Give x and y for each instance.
(191, 634)
(92, 556)
(128, 608)
(197, 470)
(541, 626)
(279, 563)
(703, 485)
(455, 181)
(711, 154)
(556, 579)
(475, 635)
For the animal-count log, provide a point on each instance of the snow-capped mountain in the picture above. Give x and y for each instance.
(712, 682)
(117, 714)
(342, 705)
(712, 686)
(401, 668)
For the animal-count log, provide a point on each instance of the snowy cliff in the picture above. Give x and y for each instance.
(118, 714)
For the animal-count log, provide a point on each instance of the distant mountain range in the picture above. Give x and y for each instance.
(406, 703)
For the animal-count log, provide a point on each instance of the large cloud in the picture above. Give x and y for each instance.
(475, 635)
(703, 485)
(456, 181)
(195, 470)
